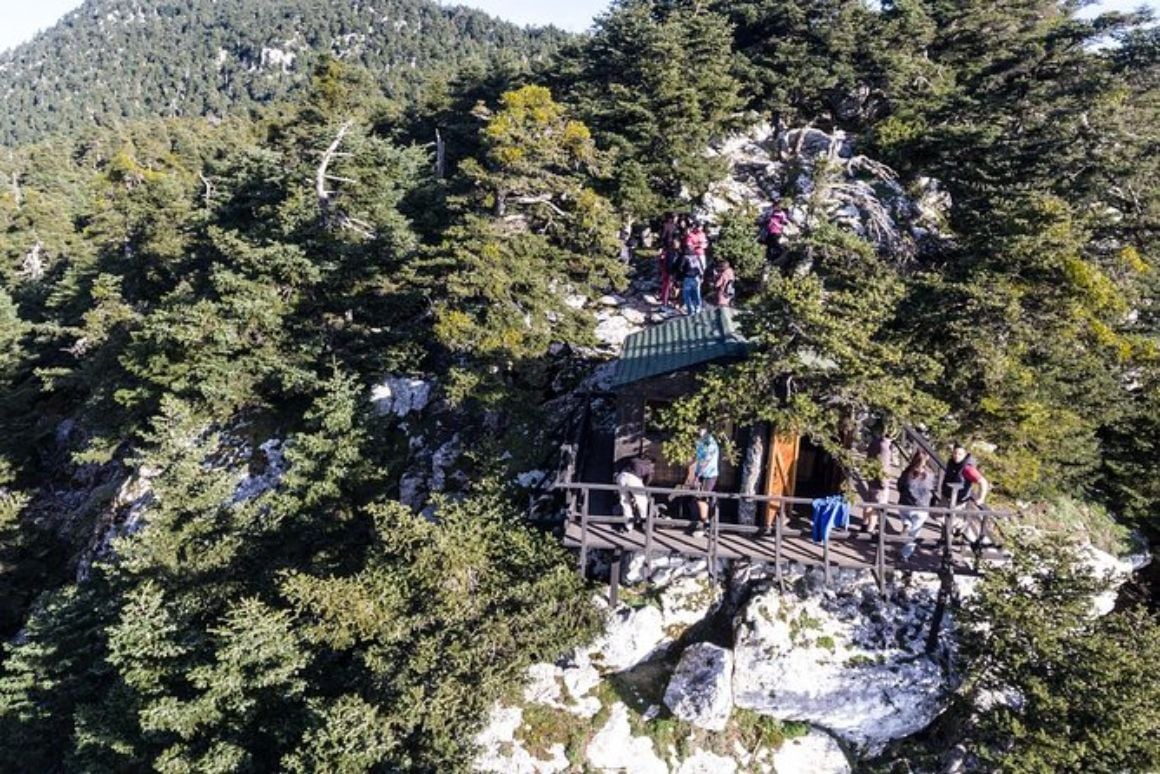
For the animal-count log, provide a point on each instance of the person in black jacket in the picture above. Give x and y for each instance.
(916, 488)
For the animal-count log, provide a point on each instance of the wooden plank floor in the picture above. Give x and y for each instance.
(847, 548)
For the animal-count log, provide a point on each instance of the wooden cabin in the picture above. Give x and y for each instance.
(661, 364)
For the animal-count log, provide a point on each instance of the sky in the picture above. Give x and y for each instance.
(20, 20)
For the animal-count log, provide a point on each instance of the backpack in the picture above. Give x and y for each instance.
(692, 266)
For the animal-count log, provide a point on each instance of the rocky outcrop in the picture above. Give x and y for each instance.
(814, 753)
(630, 637)
(828, 181)
(841, 659)
(701, 691)
(401, 395)
(614, 748)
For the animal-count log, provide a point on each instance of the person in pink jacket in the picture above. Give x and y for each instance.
(696, 240)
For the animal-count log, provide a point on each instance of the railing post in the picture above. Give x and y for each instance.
(714, 523)
(946, 576)
(950, 519)
(777, 546)
(826, 559)
(648, 536)
(614, 579)
(880, 559)
(584, 533)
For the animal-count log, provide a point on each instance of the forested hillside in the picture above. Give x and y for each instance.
(218, 553)
(112, 60)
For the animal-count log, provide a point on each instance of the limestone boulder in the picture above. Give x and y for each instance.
(815, 753)
(614, 748)
(843, 660)
(701, 689)
(630, 637)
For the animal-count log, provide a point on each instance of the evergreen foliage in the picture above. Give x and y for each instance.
(116, 60)
(1068, 690)
(202, 537)
(655, 85)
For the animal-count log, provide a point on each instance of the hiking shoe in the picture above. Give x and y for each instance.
(699, 530)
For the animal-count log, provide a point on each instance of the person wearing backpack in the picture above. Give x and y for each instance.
(692, 274)
(959, 482)
(772, 231)
(724, 282)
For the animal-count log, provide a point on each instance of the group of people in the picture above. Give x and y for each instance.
(683, 268)
(962, 484)
(701, 477)
(918, 489)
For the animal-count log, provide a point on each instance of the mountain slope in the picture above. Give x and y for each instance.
(113, 59)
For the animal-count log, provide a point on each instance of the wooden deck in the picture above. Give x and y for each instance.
(847, 549)
(936, 550)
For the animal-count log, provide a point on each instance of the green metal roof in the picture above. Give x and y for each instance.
(677, 344)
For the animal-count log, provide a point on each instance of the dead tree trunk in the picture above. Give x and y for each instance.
(322, 174)
(440, 156)
(751, 467)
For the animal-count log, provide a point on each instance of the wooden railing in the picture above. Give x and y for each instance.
(578, 498)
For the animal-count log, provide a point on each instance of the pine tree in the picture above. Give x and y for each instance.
(1070, 690)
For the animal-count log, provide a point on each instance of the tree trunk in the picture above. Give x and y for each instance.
(751, 467)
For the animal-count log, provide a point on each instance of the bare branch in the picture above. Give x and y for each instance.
(321, 174)
(544, 200)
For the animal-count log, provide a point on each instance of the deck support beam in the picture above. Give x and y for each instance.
(614, 579)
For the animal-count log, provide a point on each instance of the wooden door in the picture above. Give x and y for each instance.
(784, 450)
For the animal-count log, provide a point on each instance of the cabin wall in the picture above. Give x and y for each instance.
(638, 406)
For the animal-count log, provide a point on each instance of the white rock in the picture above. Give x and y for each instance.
(634, 316)
(580, 679)
(501, 752)
(250, 486)
(630, 637)
(701, 689)
(400, 395)
(531, 478)
(614, 748)
(610, 300)
(1104, 565)
(575, 301)
(543, 685)
(834, 660)
(585, 708)
(815, 753)
(613, 331)
(685, 601)
(705, 762)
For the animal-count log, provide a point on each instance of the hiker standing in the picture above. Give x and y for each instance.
(771, 233)
(723, 281)
(703, 469)
(634, 472)
(669, 228)
(692, 274)
(669, 260)
(879, 486)
(697, 240)
(959, 482)
(915, 492)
